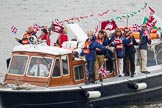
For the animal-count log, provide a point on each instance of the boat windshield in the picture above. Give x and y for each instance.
(18, 64)
(39, 66)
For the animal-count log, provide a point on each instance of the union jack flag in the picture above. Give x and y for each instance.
(103, 71)
(14, 29)
(36, 27)
(136, 28)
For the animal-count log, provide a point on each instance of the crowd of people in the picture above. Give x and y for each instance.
(97, 48)
(44, 36)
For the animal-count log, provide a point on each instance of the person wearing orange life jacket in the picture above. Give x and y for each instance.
(118, 41)
(103, 40)
(89, 51)
(44, 36)
(26, 36)
(61, 38)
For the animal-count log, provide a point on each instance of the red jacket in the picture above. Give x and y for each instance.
(62, 38)
(46, 37)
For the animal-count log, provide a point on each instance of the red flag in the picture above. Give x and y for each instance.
(57, 28)
(151, 11)
(151, 21)
(108, 25)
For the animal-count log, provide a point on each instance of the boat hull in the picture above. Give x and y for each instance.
(113, 94)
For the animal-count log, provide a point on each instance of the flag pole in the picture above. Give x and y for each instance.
(127, 21)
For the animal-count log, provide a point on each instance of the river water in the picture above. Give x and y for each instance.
(23, 13)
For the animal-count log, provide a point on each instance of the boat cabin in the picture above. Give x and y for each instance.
(59, 66)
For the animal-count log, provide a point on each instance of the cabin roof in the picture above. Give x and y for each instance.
(42, 48)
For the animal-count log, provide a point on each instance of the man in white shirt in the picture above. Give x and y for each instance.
(39, 69)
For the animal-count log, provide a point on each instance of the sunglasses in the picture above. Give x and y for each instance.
(118, 31)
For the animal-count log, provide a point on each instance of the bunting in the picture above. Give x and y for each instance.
(78, 19)
(104, 13)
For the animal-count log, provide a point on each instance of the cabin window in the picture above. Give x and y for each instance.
(65, 65)
(79, 72)
(39, 66)
(57, 70)
(18, 64)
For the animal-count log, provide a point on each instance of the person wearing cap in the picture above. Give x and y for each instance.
(29, 32)
(61, 38)
(144, 40)
(44, 36)
(89, 51)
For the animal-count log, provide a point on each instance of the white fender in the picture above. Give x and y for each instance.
(141, 86)
(93, 94)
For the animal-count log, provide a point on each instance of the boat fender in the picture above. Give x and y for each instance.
(92, 94)
(141, 86)
(138, 86)
(32, 39)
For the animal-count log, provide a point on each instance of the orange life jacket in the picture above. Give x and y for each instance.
(86, 47)
(153, 31)
(119, 45)
(25, 38)
(100, 41)
(152, 35)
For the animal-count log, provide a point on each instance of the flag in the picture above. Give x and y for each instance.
(57, 28)
(153, 22)
(136, 28)
(14, 29)
(148, 11)
(36, 27)
(103, 71)
(108, 25)
(151, 19)
(151, 11)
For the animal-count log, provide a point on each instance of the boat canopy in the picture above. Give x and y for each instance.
(41, 48)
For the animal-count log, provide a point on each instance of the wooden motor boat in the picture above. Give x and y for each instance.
(64, 84)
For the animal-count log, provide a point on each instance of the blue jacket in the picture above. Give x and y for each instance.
(143, 41)
(105, 43)
(92, 47)
(120, 53)
(130, 49)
